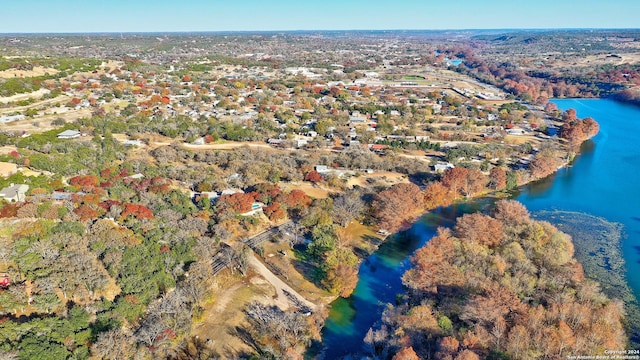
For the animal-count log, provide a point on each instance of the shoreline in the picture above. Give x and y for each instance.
(497, 195)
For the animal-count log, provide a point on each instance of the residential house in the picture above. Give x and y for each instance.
(275, 142)
(378, 147)
(356, 117)
(61, 195)
(234, 177)
(515, 131)
(231, 192)
(133, 143)
(11, 118)
(442, 166)
(69, 134)
(14, 192)
(211, 195)
(199, 141)
(137, 176)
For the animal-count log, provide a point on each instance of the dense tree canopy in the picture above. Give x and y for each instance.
(397, 204)
(504, 286)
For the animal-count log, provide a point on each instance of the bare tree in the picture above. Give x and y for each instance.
(271, 326)
(347, 207)
(197, 285)
(114, 345)
(150, 330)
(241, 258)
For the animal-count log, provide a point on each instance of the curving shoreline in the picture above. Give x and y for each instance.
(566, 162)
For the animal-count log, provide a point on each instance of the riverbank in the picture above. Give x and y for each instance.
(380, 275)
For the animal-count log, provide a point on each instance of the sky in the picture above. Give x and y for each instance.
(79, 16)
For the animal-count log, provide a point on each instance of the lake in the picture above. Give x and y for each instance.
(603, 181)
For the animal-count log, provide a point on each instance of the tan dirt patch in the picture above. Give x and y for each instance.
(8, 169)
(36, 71)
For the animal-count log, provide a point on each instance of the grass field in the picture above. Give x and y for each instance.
(413, 78)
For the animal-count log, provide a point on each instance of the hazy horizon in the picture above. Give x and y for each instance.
(187, 32)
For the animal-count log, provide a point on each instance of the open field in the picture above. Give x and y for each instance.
(36, 71)
(314, 191)
(43, 123)
(48, 104)
(17, 97)
(224, 317)
(231, 145)
(8, 169)
(389, 178)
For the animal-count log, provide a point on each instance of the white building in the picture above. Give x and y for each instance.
(14, 192)
(69, 134)
(441, 167)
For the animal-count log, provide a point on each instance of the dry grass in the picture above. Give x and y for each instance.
(313, 191)
(230, 145)
(8, 169)
(224, 315)
(389, 178)
(362, 238)
(294, 272)
(521, 139)
(43, 123)
(17, 97)
(36, 71)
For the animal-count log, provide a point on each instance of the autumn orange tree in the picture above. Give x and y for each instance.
(544, 164)
(238, 202)
(501, 286)
(85, 183)
(474, 182)
(454, 179)
(397, 204)
(296, 200)
(313, 176)
(275, 211)
(497, 178)
(267, 192)
(436, 195)
(576, 131)
(138, 211)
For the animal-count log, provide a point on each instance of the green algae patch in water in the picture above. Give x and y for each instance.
(598, 248)
(340, 315)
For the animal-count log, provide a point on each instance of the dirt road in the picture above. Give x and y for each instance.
(282, 289)
(225, 146)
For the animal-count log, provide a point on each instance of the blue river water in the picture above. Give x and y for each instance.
(603, 181)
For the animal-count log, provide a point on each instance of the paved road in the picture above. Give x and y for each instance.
(258, 239)
(221, 259)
